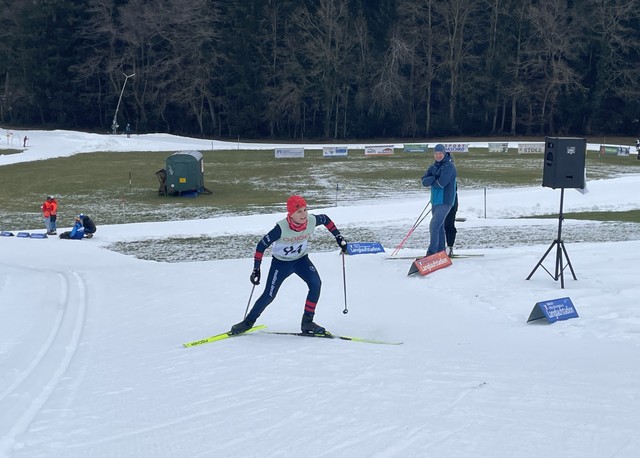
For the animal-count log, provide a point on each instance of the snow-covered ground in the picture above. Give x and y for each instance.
(92, 363)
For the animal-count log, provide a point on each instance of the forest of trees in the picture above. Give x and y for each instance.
(323, 69)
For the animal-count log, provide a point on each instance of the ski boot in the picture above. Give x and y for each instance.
(241, 327)
(450, 251)
(309, 327)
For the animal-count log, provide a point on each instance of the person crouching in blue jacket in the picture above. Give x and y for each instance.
(77, 232)
(83, 227)
(441, 178)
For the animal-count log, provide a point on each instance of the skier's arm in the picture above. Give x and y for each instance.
(264, 243)
(326, 221)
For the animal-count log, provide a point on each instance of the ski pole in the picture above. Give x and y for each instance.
(344, 282)
(420, 219)
(249, 302)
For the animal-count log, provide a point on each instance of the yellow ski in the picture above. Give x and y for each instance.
(224, 335)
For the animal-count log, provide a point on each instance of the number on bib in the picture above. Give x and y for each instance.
(291, 249)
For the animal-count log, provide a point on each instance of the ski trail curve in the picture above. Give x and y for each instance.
(24, 398)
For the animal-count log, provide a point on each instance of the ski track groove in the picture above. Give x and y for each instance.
(21, 401)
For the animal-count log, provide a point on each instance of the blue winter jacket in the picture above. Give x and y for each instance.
(441, 177)
(77, 232)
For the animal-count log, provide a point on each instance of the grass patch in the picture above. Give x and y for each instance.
(632, 216)
(116, 187)
(9, 151)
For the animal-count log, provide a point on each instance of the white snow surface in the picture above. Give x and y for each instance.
(92, 362)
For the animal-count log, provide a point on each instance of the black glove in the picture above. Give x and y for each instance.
(255, 276)
(342, 243)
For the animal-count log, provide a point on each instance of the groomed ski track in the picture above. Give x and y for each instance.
(33, 384)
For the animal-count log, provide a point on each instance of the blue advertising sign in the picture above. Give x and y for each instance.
(364, 248)
(553, 310)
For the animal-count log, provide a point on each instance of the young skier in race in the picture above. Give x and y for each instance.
(290, 238)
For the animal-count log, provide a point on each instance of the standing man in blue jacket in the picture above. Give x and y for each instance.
(441, 178)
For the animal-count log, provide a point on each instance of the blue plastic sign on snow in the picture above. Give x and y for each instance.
(364, 248)
(553, 310)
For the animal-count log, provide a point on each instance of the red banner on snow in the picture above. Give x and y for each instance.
(432, 263)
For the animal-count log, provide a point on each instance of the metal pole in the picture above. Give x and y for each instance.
(249, 301)
(114, 124)
(344, 282)
(485, 203)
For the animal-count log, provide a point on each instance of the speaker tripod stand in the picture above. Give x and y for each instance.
(560, 251)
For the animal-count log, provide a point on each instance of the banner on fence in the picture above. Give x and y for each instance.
(614, 150)
(456, 147)
(334, 151)
(416, 148)
(284, 153)
(498, 147)
(379, 150)
(530, 148)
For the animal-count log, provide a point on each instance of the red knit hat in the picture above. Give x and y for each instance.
(294, 203)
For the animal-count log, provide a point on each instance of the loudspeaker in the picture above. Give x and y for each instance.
(564, 162)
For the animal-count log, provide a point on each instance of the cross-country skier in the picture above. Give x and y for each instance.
(290, 238)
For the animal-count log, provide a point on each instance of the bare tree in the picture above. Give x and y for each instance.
(456, 18)
(326, 46)
(613, 55)
(389, 88)
(416, 22)
(551, 55)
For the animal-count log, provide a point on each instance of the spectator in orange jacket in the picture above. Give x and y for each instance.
(50, 213)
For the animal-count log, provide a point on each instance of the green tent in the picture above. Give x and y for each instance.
(185, 172)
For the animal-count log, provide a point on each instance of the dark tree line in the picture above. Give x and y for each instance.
(332, 69)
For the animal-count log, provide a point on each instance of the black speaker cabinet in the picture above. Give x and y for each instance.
(564, 162)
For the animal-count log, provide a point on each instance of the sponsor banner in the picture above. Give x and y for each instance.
(498, 147)
(283, 153)
(530, 148)
(416, 148)
(614, 150)
(553, 310)
(432, 263)
(379, 150)
(456, 147)
(6, 234)
(364, 247)
(334, 151)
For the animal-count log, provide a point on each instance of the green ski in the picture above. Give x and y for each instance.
(224, 335)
